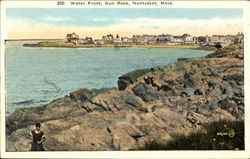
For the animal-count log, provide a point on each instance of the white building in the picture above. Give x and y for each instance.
(188, 39)
(98, 42)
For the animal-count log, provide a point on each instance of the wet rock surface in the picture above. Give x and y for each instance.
(148, 105)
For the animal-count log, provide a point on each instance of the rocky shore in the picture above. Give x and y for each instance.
(148, 105)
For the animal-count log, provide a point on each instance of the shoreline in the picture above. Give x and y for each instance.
(162, 46)
(187, 93)
(113, 46)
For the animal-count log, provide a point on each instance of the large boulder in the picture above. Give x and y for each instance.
(133, 100)
(147, 93)
(130, 78)
(81, 94)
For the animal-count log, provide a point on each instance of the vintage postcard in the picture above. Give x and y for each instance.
(124, 79)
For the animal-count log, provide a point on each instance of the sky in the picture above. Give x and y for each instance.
(55, 23)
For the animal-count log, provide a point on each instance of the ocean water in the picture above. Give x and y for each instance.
(36, 76)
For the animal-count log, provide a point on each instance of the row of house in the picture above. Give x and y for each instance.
(224, 40)
(169, 39)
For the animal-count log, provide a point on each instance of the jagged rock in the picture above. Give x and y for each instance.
(157, 69)
(57, 109)
(146, 93)
(228, 90)
(110, 100)
(184, 59)
(235, 51)
(186, 83)
(149, 105)
(206, 72)
(166, 88)
(126, 136)
(198, 92)
(89, 107)
(188, 92)
(133, 100)
(213, 70)
(123, 84)
(236, 78)
(130, 78)
(216, 91)
(122, 141)
(227, 104)
(213, 105)
(81, 94)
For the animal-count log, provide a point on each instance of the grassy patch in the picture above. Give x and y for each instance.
(72, 45)
(221, 135)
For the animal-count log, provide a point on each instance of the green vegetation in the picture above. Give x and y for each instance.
(220, 135)
(72, 45)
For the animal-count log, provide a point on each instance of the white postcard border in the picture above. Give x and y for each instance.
(131, 154)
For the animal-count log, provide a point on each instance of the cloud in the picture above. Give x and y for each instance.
(125, 27)
(175, 24)
(100, 19)
(57, 19)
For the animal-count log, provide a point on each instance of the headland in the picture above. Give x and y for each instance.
(149, 105)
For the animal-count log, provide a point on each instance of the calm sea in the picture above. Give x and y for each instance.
(36, 76)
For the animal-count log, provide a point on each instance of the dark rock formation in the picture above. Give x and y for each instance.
(130, 78)
(149, 105)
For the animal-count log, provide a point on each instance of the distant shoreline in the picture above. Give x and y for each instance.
(33, 39)
(71, 45)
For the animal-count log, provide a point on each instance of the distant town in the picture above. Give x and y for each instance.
(163, 39)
